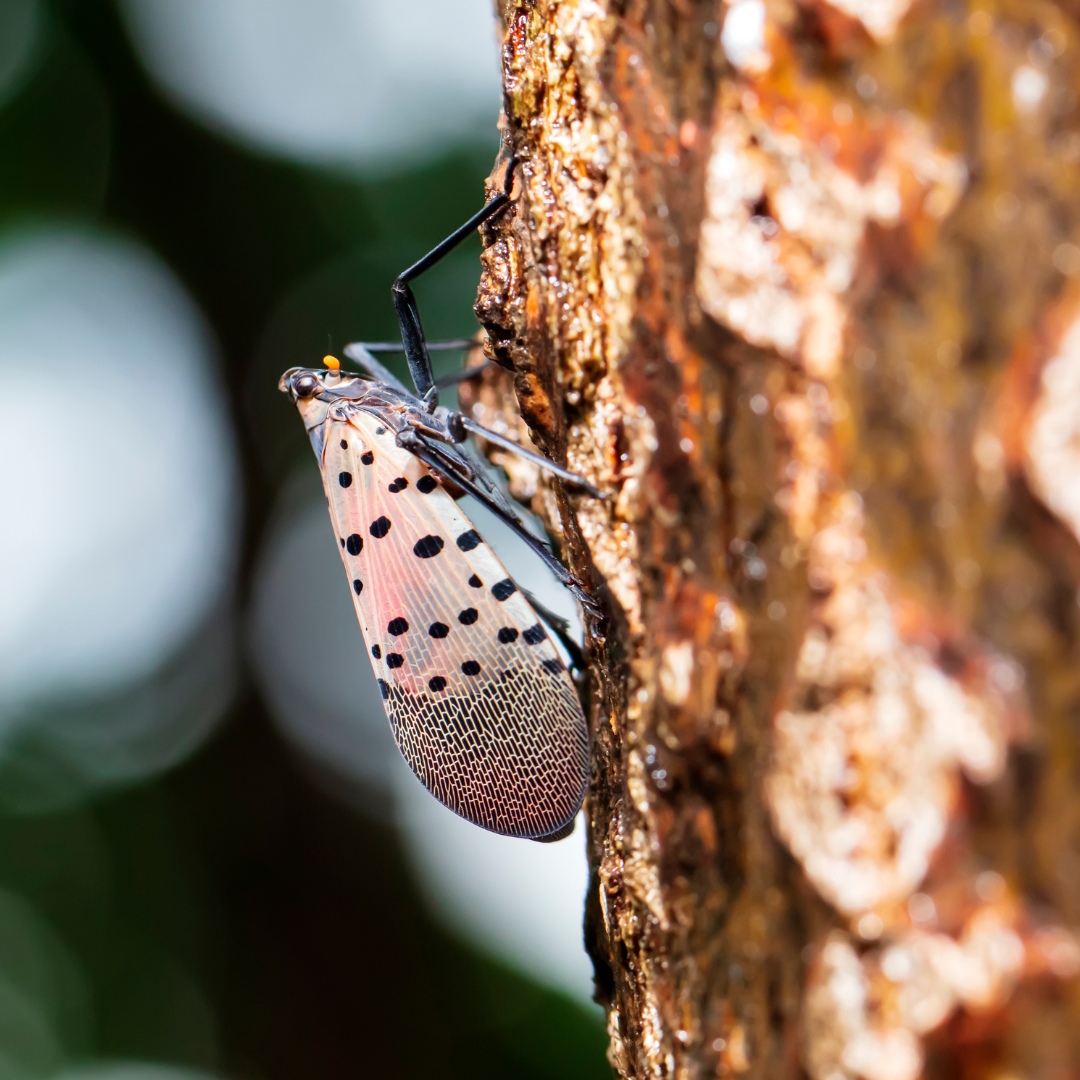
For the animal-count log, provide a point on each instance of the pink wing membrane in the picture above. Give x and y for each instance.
(479, 701)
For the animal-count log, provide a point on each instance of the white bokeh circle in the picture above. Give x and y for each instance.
(118, 472)
(332, 81)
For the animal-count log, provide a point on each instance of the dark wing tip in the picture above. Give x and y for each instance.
(559, 834)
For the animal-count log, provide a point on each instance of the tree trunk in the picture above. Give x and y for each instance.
(796, 284)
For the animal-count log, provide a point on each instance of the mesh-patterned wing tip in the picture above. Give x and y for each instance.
(513, 759)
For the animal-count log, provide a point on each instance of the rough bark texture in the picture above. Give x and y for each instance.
(807, 309)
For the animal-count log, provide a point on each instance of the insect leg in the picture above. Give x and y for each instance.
(462, 376)
(432, 346)
(412, 332)
(434, 456)
(528, 455)
(358, 353)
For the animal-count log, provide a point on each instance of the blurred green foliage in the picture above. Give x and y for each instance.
(230, 915)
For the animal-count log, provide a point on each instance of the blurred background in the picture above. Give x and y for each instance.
(212, 861)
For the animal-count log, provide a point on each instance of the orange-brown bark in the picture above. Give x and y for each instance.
(807, 310)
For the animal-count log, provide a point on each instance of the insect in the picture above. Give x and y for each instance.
(481, 705)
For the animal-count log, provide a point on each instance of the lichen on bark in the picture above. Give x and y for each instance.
(802, 302)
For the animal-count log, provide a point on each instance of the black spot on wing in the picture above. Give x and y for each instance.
(400, 484)
(471, 668)
(354, 545)
(376, 652)
(469, 540)
(368, 458)
(502, 589)
(344, 445)
(342, 538)
(384, 689)
(394, 660)
(468, 616)
(397, 626)
(427, 547)
(380, 527)
(506, 635)
(357, 586)
(436, 684)
(475, 582)
(534, 635)
(554, 666)
(380, 431)
(344, 479)
(426, 485)
(438, 630)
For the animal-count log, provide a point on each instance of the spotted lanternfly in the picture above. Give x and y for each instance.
(480, 703)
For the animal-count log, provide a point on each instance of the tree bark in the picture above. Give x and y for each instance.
(796, 283)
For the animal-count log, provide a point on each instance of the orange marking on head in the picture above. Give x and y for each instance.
(332, 362)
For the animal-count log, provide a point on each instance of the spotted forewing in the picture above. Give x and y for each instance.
(479, 701)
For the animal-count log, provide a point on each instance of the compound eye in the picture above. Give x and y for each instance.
(305, 385)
